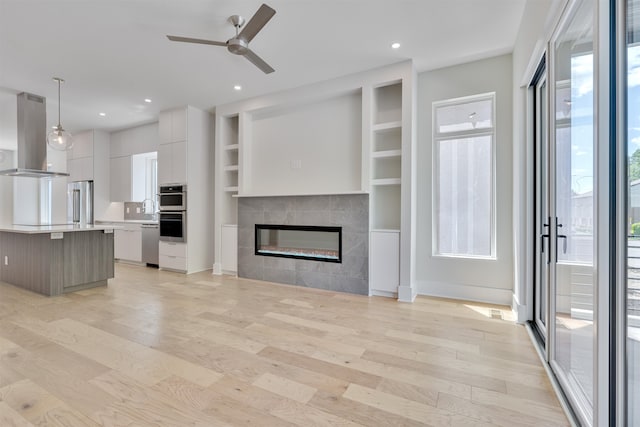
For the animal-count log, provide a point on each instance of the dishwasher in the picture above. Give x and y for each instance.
(150, 240)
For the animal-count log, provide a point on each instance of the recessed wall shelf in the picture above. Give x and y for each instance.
(231, 168)
(381, 127)
(386, 153)
(231, 189)
(386, 181)
(231, 147)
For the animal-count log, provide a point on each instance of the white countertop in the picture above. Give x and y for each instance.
(126, 221)
(64, 228)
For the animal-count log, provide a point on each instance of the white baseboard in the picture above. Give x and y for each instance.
(407, 293)
(464, 292)
(375, 293)
(519, 310)
(217, 269)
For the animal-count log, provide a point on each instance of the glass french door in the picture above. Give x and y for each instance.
(542, 205)
(565, 211)
(632, 235)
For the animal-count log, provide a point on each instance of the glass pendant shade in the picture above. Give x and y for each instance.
(60, 139)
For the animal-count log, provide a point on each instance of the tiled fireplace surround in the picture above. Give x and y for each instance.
(349, 211)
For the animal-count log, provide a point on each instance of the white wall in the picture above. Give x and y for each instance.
(475, 279)
(324, 138)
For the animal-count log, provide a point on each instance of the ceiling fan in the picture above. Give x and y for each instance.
(239, 45)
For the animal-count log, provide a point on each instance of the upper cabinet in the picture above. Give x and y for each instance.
(126, 145)
(173, 126)
(87, 161)
(172, 163)
(80, 158)
(172, 152)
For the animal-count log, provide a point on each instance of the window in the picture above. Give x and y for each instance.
(464, 214)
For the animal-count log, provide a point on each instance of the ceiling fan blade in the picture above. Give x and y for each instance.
(257, 21)
(258, 62)
(200, 41)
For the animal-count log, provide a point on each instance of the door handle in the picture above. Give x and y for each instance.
(560, 236)
(545, 236)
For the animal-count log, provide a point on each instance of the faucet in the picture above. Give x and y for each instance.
(153, 207)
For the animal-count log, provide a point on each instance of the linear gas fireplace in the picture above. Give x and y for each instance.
(299, 241)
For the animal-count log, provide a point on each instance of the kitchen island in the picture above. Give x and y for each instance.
(56, 259)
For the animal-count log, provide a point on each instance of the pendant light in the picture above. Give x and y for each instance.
(58, 138)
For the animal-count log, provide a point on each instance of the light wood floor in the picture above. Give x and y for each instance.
(163, 349)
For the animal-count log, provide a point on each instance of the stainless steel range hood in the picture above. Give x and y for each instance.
(32, 139)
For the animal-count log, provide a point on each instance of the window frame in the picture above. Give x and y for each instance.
(438, 137)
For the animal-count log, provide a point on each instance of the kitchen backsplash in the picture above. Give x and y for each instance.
(135, 211)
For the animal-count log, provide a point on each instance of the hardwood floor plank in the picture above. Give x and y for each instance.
(64, 384)
(493, 415)
(325, 368)
(285, 387)
(409, 391)
(397, 405)
(521, 405)
(11, 418)
(439, 371)
(361, 413)
(409, 377)
(448, 343)
(39, 407)
(321, 326)
(146, 405)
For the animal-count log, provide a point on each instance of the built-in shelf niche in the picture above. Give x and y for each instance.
(387, 167)
(386, 156)
(230, 153)
(387, 139)
(230, 167)
(385, 203)
(387, 104)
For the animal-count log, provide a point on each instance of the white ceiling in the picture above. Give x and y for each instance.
(114, 53)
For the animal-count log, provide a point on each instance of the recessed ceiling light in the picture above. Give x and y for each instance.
(237, 87)
(147, 100)
(102, 114)
(395, 45)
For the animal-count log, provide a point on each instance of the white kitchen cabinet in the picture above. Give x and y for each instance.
(172, 256)
(179, 161)
(80, 169)
(172, 163)
(179, 125)
(384, 277)
(164, 127)
(127, 245)
(164, 164)
(120, 174)
(173, 126)
(82, 146)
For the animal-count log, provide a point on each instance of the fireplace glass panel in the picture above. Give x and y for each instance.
(305, 242)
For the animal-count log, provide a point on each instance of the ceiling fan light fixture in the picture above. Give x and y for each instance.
(395, 45)
(59, 139)
(237, 87)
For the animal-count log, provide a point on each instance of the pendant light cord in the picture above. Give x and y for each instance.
(59, 126)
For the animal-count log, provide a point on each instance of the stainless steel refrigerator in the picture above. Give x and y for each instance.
(80, 202)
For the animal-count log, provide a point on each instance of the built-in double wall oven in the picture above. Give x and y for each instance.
(173, 213)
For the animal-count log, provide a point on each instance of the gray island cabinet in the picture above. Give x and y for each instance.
(52, 260)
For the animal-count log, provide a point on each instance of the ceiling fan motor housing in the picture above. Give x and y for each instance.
(237, 46)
